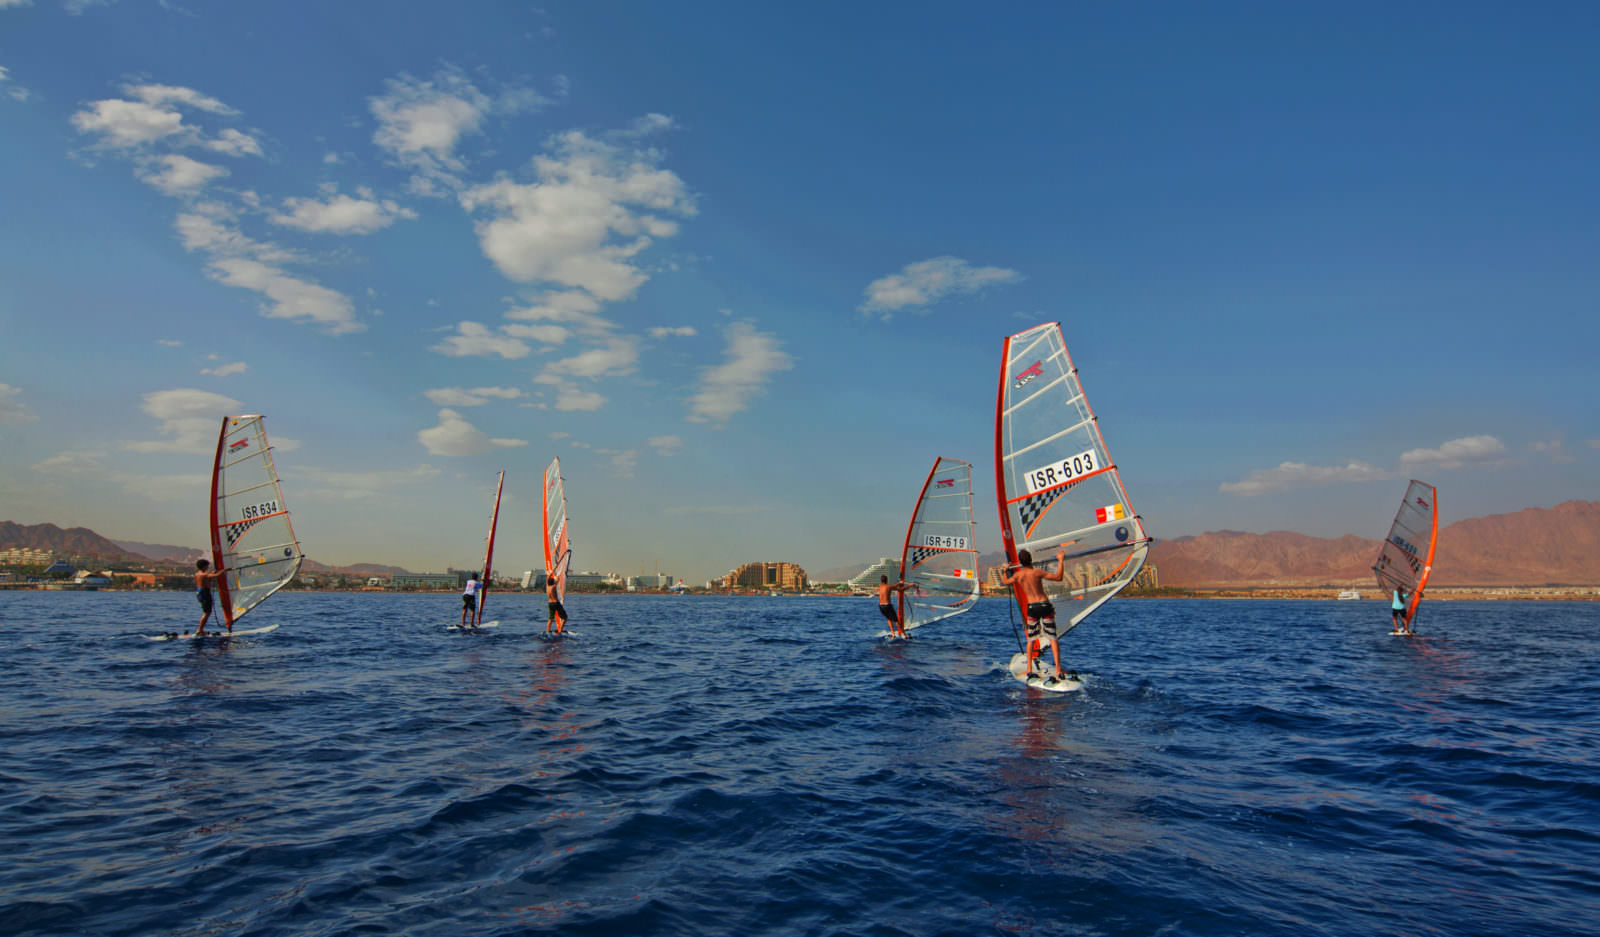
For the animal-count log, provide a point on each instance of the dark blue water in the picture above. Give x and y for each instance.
(736, 766)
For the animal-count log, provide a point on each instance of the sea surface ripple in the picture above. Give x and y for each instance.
(740, 766)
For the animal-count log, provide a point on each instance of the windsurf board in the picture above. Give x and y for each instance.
(190, 635)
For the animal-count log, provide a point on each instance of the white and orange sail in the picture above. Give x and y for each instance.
(1055, 481)
(557, 547)
(488, 551)
(940, 555)
(1405, 561)
(251, 537)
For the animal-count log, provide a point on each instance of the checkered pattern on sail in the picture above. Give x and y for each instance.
(237, 529)
(918, 554)
(1029, 508)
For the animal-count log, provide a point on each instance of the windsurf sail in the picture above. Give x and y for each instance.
(488, 551)
(1055, 482)
(251, 537)
(1406, 559)
(940, 555)
(557, 548)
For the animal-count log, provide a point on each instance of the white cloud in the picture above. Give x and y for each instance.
(160, 95)
(169, 342)
(15, 92)
(729, 388)
(73, 463)
(663, 331)
(232, 142)
(666, 445)
(1455, 454)
(475, 338)
(1556, 449)
(154, 115)
(1299, 475)
(476, 397)
(547, 334)
(454, 436)
(124, 124)
(570, 398)
(207, 228)
(927, 281)
(575, 308)
(226, 370)
(421, 122)
(177, 175)
(581, 224)
(617, 357)
(291, 297)
(189, 418)
(341, 214)
(623, 462)
(1451, 455)
(12, 409)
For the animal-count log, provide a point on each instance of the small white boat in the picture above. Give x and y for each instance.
(1349, 594)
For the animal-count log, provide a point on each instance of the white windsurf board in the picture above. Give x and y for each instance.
(224, 633)
(1043, 676)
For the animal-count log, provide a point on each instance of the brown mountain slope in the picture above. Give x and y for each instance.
(74, 541)
(1533, 547)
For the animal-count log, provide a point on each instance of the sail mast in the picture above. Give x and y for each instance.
(224, 597)
(488, 553)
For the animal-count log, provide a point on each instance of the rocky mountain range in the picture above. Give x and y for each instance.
(85, 543)
(1533, 547)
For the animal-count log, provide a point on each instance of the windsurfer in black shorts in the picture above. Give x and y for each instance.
(897, 628)
(1041, 615)
(558, 612)
(203, 578)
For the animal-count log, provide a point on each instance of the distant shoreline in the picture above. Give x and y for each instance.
(1438, 594)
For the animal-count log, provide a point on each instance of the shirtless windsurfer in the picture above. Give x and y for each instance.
(897, 628)
(203, 578)
(1041, 615)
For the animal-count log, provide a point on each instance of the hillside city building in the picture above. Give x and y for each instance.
(780, 577)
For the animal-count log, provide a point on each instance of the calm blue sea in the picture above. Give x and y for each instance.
(736, 766)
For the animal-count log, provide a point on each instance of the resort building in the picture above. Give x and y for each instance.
(424, 581)
(780, 577)
(24, 556)
(867, 579)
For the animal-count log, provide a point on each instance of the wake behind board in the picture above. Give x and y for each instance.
(487, 624)
(1042, 677)
(1403, 634)
(190, 635)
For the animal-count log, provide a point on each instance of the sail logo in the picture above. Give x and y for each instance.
(1036, 370)
(238, 444)
(1400, 542)
(946, 483)
(1422, 502)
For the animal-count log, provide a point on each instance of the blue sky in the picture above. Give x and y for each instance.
(746, 268)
